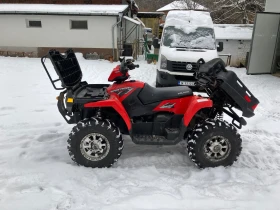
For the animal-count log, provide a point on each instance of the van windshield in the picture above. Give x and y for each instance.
(199, 38)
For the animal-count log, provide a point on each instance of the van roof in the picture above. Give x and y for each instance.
(189, 18)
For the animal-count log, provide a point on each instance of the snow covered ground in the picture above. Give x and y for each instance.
(36, 172)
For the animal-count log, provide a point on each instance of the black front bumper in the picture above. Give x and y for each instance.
(70, 119)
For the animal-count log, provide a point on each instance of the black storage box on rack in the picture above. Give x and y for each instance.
(231, 85)
(69, 72)
(235, 88)
(66, 67)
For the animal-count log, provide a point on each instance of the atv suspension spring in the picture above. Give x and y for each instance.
(98, 113)
(219, 116)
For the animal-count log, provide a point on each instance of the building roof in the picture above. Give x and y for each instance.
(59, 9)
(234, 31)
(132, 20)
(181, 5)
(150, 14)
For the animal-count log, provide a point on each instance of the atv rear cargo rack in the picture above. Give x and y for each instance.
(66, 66)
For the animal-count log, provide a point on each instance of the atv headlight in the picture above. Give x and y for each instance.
(163, 62)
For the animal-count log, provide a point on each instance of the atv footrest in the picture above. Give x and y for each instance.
(153, 140)
(171, 133)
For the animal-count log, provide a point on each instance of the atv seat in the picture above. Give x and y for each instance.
(151, 94)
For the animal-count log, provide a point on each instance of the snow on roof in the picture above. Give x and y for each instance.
(62, 9)
(156, 13)
(234, 31)
(132, 20)
(182, 5)
(188, 18)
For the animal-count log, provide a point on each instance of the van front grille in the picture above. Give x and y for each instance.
(181, 66)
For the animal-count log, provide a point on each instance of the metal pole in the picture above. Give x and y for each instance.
(113, 33)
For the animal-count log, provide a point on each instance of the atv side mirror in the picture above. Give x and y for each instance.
(220, 47)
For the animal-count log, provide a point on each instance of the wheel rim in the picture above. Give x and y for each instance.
(94, 146)
(217, 148)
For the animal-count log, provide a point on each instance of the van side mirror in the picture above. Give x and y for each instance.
(156, 43)
(220, 47)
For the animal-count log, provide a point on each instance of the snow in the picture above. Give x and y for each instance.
(63, 9)
(189, 19)
(132, 20)
(178, 5)
(234, 31)
(36, 172)
(195, 29)
(201, 40)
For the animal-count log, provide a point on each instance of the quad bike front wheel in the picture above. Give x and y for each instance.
(95, 143)
(214, 143)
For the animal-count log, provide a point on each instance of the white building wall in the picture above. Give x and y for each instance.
(272, 6)
(56, 32)
(237, 49)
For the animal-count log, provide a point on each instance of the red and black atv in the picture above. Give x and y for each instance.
(151, 116)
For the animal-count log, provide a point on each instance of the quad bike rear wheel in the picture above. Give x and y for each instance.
(214, 143)
(95, 143)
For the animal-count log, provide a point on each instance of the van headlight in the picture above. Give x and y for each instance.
(163, 62)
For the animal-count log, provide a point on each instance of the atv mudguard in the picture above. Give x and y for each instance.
(195, 105)
(113, 102)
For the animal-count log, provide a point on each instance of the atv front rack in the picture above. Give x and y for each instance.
(66, 66)
(85, 93)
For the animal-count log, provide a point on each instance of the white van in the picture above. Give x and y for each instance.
(187, 37)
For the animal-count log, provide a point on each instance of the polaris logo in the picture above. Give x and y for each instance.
(168, 106)
(122, 91)
(189, 67)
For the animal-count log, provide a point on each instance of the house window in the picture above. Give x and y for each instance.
(78, 24)
(34, 24)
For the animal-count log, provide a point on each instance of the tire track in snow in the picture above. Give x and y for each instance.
(145, 176)
(261, 150)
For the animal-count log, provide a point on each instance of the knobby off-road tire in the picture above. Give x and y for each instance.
(214, 143)
(95, 135)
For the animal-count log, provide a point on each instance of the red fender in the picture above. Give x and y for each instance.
(196, 104)
(113, 102)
